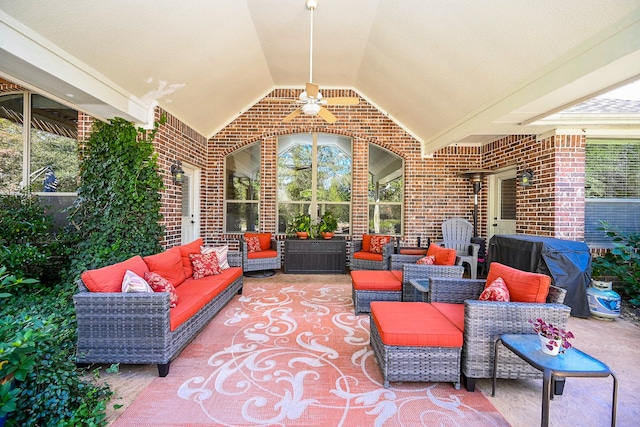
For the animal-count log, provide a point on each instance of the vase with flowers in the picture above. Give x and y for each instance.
(553, 340)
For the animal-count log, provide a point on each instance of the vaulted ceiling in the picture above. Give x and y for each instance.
(449, 72)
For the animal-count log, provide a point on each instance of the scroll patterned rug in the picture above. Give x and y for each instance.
(295, 355)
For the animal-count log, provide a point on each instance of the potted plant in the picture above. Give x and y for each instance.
(327, 225)
(301, 225)
(553, 340)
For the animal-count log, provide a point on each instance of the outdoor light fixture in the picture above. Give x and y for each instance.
(526, 178)
(476, 176)
(177, 172)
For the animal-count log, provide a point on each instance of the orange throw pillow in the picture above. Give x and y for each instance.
(366, 243)
(264, 238)
(442, 255)
(496, 291)
(377, 243)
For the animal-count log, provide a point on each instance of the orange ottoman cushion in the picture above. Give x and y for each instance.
(375, 280)
(414, 324)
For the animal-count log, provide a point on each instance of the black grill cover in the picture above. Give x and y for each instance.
(567, 262)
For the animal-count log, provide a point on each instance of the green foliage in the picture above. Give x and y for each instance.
(27, 239)
(117, 213)
(301, 222)
(53, 392)
(327, 223)
(9, 281)
(623, 262)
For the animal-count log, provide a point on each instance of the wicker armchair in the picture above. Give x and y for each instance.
(412, 271)
(271, 262)
(382, 263)
(486, 321)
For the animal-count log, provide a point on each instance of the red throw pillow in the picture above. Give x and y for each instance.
(204, 265)
(377, 243)
(253, 244)
(496, 291)
(160, 284)
(427, 260)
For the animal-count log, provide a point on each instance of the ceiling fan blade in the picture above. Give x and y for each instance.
(284, 100)
(342, 100)
(312, 90)
(327, 115)
(293, 115)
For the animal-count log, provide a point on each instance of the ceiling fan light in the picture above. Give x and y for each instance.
(303, 96)
(310, 109)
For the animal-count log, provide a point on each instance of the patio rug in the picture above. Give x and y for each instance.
(295, 355)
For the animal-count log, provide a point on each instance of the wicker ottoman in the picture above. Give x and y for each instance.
(375, 285)
(413, 341)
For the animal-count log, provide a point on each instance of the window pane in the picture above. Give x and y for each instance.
(243, 174)
(288, 211)
(386, 219)
(508, 199)
(385, 176)
(11, 142)
(334, 168)
(295, 168)
(241, 217)
(54, 146)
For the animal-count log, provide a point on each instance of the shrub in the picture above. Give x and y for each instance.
(622, 262)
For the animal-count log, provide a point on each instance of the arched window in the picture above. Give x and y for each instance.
(242, 190)
(314, 176)
(386, 191)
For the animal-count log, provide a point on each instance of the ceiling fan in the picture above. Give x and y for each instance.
(311, 101)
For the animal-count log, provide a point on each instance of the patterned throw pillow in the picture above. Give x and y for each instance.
(134, 283)
(496, 291)
(160, 284)
(253, 244)
(377, 243)
(221, 252)
(204, 265)
(427, 260)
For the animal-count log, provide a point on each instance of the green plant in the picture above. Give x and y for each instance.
(301, 222)
(622, 262)
(9, 281)
(327, 223)
(117, 213)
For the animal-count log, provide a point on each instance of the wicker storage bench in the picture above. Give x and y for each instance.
(413, 341)
(142, 328)
(375, 285)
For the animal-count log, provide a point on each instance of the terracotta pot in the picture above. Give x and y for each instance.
(327, 234)
(302, 235)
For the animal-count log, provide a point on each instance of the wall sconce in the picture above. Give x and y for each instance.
(177, 172)
(526, 178)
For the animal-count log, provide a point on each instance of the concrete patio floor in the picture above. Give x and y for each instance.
(585, 401)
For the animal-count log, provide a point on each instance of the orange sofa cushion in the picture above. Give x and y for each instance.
(185, 250)
(523, 286)
(264, 238)
(453, 312)
(443, 256)
(398, 274)
(367, 256)
(195, 294)
(269, 253)
(366, 242)
(109, 278)
(168, 264)
(414, 324)
(375, 280)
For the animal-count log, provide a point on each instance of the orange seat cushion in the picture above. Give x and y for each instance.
(168, 264)
(453, 312)
(269, 253)
(443, 256)
(264, 238)
(185, 250)
(109, 278)
(367, 256)
(375, 280)
(523, 286)
(397, 274)
(414, 324)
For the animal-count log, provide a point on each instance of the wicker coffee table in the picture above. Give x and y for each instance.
(572, 363)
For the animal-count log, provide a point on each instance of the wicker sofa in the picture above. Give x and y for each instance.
(485, 321)
(142, 328)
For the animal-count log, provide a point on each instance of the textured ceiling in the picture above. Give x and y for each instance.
(448, 72)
